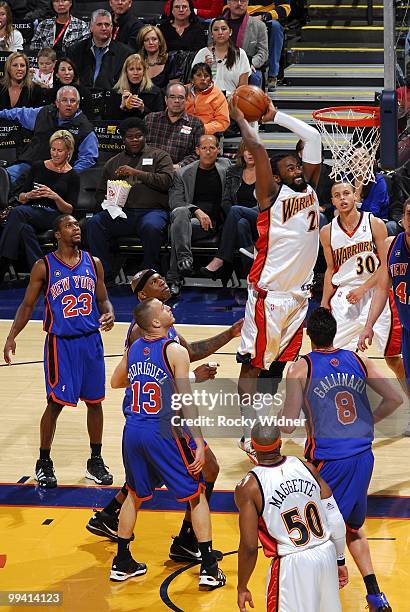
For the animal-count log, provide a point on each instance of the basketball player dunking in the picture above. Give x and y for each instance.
(285, 502)
(353, 244)
(394, 272)
(281, 275)
(76, 307)
(329, 384)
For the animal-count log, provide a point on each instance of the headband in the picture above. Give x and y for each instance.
(142, 281)
(265, 448)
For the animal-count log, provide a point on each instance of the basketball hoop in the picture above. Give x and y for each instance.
(352, 133)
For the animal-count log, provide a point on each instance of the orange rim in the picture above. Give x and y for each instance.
(365, 121)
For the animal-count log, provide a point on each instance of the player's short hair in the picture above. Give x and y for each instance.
(265, 435)
(58, 221)
(321, 327)
(346, 182)
(274, 162)
(132, 123)
(143, 314)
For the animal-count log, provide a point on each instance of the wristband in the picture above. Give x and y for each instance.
(192, 377)
(341, 562)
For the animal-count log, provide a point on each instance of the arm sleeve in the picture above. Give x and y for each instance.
(25, 116)
(312, 152)
(336, 525)
(177, 193)
(87, 153)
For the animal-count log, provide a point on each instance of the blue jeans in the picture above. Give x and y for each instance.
(148, 225)
(239, 230)
(256, 78)
(16, 170)
(276, 37)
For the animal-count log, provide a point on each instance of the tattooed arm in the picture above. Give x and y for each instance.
(204, 348)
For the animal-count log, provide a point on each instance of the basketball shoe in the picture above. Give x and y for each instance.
(246, 446)
(97, 471)
(127, 568)
(378, 603)
(187, 551)
(45, 475)
(211, 578)
(103, 524)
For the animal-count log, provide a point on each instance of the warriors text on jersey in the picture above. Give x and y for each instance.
(288, 490)
(340, 421)
(354, 255)
(398, 262)
(288, 241)
(70, 302)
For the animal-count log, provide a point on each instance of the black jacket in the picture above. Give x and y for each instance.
(113, 60)
(46, 124)
(153, 102)
(126, 28)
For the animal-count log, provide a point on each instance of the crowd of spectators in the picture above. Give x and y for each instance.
(164, 88)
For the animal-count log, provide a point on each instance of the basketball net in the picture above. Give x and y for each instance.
(353, 137)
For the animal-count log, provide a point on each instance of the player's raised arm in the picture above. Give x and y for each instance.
(178, 359)
(312, 150)
(201, 349)
(25, 310)
(104, 305)
(379, 299)
(266, 186)
(247, 496)
(295, 380)
(391, 397)
(328, 288)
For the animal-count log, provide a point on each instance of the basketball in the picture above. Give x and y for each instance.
(252, 101)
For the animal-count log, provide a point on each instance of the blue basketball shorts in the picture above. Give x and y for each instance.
(349, 480)
(74, 369)
(150, 459)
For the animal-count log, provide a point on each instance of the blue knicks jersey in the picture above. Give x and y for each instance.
(148, 399)
(70, 304)
(340, 421)
(398, 261)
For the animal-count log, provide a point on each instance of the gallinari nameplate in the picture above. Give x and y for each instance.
(31, 598)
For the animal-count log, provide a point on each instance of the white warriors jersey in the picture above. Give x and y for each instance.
(293, 518)
(288, 241)
(354, 254)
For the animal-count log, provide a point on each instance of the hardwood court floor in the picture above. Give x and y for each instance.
(63, 556)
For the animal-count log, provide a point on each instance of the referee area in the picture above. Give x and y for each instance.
(45, 546)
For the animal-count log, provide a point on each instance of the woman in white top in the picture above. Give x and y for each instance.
(230, 65)
(10, 39)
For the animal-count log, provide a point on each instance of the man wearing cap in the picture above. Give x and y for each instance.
(150, 173)
(285, 502)
(150, 284)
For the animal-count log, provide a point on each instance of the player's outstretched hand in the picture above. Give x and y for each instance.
(367, 334)
(206, 371)
(244, 597)
(9, 347)
(106, 321)
(355, 295)
(234, 110)
(343, 576)
(270, 112)
(236, 328)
